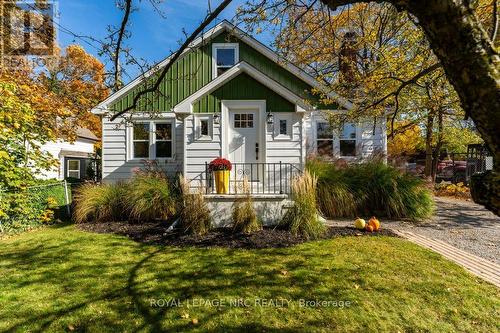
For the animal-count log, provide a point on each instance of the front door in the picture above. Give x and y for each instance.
(244, 144)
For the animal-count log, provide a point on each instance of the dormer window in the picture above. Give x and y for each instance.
(225, 56)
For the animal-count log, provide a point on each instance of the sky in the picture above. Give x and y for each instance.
(153, 37)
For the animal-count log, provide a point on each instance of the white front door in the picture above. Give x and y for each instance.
(243, 143)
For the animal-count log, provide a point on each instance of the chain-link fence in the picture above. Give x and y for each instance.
(452, 167)
(24, 208)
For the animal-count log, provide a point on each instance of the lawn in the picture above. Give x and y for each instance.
(58, 278)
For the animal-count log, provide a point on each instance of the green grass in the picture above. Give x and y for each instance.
(58, 279)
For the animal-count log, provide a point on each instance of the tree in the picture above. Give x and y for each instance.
(42, 105)
(406, 141)
(19, 130)
(471, 63)
(77, 80)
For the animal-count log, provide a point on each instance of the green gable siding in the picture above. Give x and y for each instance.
(194, 70)
(243, 87)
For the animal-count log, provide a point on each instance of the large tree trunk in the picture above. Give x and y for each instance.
(428, 144)
(437, 151)
(471, 63)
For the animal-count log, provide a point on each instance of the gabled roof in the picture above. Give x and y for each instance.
(101, 108)
(85, 133)
(186, 106)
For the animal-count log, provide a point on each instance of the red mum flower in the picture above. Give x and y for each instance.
(220, 164)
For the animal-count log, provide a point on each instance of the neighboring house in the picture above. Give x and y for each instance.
(229, 95)
(75, 158)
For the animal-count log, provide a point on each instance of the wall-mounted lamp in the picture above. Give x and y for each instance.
(217, 118)
(270, 118)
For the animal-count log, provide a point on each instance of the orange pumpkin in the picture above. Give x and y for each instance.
(369, 228)
(375, 223)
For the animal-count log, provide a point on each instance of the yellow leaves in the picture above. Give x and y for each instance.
(458, 190)
(4, 154)
(406, 140)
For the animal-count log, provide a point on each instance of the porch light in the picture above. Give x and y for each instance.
(270, 118)
(216, 118)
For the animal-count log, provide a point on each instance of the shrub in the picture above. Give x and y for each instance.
(244, 217)
(150, 197)
(302, 218)
(24, 208)
(371, 188)
(194, 216)
(100, 202)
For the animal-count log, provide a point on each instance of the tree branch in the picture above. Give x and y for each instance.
(208, 19)
(413, 80)
(121, 33)
(494, 29)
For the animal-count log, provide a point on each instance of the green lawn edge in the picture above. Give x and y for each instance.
(61, 279)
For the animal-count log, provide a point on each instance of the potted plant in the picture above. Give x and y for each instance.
(221, 167)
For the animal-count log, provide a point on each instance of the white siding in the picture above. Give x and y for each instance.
(199, 152)
(368, 143)
(286, 150)
(116, 166)
(55, 148)
(192, 153)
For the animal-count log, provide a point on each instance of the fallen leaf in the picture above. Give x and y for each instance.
(194, 321)
(356, 286)
(185, 315)
(284, 272)
(71, 327)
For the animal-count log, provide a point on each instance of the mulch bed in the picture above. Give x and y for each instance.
(158, 233)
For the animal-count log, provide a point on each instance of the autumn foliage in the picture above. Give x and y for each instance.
(38, 105)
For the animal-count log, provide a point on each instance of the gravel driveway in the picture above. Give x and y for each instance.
(461, 223)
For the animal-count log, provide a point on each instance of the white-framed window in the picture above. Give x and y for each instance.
(203, 127)
(163, 140)
(282, 126)
(225, 56)
(141, 140)
(347, 140)
(243, 120)
(152, 139)
(73, 168)
(324, 139)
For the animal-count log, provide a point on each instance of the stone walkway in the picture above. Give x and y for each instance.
(461, 230)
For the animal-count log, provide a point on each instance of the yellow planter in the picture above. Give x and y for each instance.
(222, 181)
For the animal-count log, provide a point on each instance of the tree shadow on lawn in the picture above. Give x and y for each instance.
(86, 282)
(69, 279)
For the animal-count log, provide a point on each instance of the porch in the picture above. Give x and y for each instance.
(264, 180)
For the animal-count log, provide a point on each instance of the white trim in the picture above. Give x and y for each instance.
(101, 108)
(67, 167)
(260, 105)
(197, 136)
(215, 46)
(186, 106)
(184, 148)
(357, 140)
(145, 115)
(152, 139)
(277, 117)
